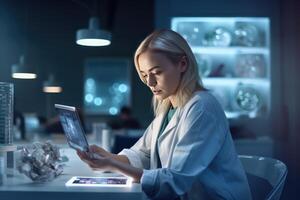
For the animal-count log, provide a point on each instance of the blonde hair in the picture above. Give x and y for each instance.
(174, 47)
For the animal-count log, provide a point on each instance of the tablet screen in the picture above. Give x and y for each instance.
(72, 127)
(100, 181)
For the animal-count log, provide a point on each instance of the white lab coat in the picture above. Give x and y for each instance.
(197, 154)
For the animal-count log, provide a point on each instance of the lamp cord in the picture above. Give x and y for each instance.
(84, 5)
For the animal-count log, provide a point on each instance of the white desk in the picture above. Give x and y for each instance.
(21, 187)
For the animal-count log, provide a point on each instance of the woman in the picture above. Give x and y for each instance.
(187, 151)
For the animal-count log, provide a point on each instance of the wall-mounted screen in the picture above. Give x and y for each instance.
(106, 85)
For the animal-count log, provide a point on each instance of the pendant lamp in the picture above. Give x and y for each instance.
(51, 85)
(21, 70)
(93, 36)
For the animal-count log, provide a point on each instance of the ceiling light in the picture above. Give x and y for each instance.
(93, 36)
(22, 71)
(51, 85)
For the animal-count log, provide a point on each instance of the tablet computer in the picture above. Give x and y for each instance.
(72, 127)
(100, 181)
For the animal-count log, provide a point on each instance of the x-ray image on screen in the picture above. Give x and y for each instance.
(73, 129)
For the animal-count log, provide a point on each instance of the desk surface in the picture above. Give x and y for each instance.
(21, 187)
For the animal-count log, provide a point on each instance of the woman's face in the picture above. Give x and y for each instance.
(161, 74)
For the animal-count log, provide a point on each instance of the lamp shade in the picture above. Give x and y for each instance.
(51, 85)
(93, 36)
(22, 71)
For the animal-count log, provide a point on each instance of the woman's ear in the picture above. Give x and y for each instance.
(183, 63)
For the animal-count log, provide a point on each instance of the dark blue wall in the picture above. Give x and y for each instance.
(45, 31)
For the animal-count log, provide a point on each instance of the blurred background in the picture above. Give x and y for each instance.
(247, 54)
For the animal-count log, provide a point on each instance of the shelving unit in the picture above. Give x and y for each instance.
(234, 81)
(231, 50)
(233, 55)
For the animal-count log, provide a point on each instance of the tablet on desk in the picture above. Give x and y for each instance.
(72, 127)
(100, 181)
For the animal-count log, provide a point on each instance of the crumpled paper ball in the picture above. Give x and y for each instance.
(40, 161)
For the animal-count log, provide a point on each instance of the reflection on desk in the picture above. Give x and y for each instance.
(21, 187)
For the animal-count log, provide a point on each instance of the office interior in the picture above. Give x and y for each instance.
(44, 34)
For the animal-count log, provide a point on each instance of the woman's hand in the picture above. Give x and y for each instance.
(97, 158)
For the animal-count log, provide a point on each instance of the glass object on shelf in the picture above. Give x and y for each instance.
(106, 85)
(218, 71)
(204, 64)
(219, 37)
(247, 98)
(250, 66)
(246, 34)
(190, 31)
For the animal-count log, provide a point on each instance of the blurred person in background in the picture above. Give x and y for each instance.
(124, 120)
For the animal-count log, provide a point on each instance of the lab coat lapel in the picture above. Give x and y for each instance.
(171, 127)
(155, 131)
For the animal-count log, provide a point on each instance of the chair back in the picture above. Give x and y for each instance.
(266, 176)
(127, 139)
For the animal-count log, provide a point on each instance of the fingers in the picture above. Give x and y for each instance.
(95, 149)
(79, 154)
(83, 156)
(99, 150)
(97, 164)
(87, 159)
(94, 166)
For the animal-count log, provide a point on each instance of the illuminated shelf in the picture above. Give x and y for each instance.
(237, 114)
(218, 20)
(234, 81)
(223, 46)
(231, 50)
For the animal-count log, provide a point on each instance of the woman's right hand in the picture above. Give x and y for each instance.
(94, 149)
(105, 161)
(97, 158)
